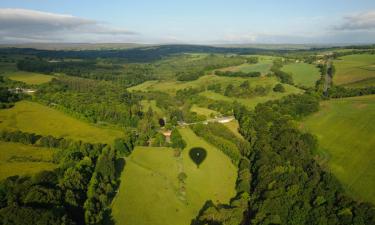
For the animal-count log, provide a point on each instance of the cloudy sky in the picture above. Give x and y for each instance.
(188, 21)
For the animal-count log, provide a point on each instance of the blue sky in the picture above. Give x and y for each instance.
(193, 21)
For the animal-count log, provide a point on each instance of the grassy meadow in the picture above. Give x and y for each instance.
(151, 194)
(29, 78)
(345, 129)
(34, 117)
(303, 73)
(354, 69)
(263, 66)
(19, 159)
(204, 111)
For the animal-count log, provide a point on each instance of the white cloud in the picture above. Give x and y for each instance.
(360, 21)
(22, 25)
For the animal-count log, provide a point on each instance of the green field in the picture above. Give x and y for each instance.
(303, 73)
(29, 78)
(204, 111)
(263, 66)
(150, 193)
(345, 130)
(19, 159)
(33, 117)
(146, 104)
(354, 69)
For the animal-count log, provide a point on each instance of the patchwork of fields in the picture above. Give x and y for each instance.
(171, 87)
(303, 73)
(345, 129)
(150, 192)
(19, 159)
(355, 70)
(33, 117)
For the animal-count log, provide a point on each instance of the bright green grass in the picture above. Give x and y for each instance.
(150, 193)
(33, 117)
(233, 126)
(362, 83)
(16, 159)
(303, 73)
(146, 104)
(30, 78)
(345, 129)
(354, 68)
(263, 66)
(203, 111)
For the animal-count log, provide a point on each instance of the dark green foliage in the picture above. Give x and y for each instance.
(198, 155)
(221, 137)
(279, 88)
(176, 140)
(91, 100)
(246, 91)
(342, 92)
(283, 76)
(237, 74)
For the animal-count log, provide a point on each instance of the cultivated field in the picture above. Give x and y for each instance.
(146, 104)
(303, 73)
(263, 66)
(19, 159)
(29, 78)
(151, 194)
(204, 111)
(33, 117)
(355, 69)
(345, 129)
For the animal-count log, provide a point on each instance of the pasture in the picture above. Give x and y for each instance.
(29, 78)
(345, 129)
(151, 194)
(209, 113)
(303, 73)
(20, 159)
(34, 117)
(263, 66)
(354, 69)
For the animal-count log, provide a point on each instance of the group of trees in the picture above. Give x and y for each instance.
(342, 92)
(79, 191)
(94, 101)
(221, 137)
(7, 98)
(237, 73)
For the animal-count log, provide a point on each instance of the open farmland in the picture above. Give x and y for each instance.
(30, 78)
(150, 192)
(36, 118)
(356, 70)
(303, 73)
(19, 159)
(345, 129)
